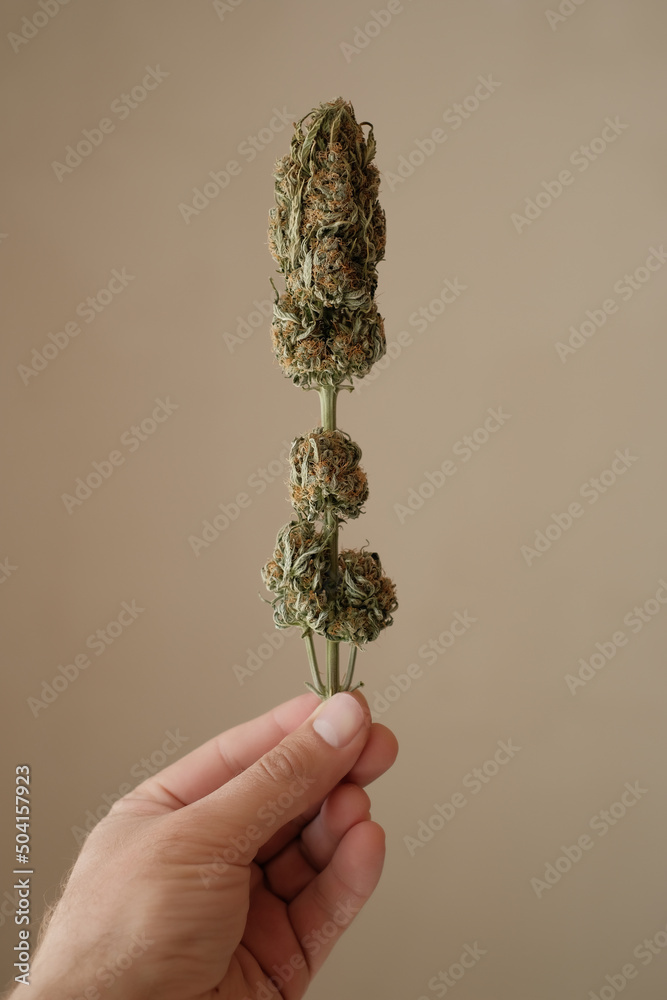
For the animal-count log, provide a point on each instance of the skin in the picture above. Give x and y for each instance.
(292, 869)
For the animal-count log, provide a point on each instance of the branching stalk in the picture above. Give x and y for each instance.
(328, 394)
(350, 671)
(317, 686)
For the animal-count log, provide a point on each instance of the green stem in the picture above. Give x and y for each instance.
(350, 668)
(317, 685)
(328, 395)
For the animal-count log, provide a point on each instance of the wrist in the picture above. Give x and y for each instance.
(84, 980)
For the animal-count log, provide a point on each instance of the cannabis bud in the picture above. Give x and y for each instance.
(327, 232)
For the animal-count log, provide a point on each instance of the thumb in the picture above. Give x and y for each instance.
(295, 775)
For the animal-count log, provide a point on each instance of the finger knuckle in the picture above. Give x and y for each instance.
(284, 764)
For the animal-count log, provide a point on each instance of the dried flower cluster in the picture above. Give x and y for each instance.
(325, 468)
(327, 232)
(354, 609)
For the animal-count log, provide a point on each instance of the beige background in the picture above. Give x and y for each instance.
(495, 346)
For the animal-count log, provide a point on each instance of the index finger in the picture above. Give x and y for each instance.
(222, 758)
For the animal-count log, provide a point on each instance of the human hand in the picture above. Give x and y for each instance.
(233, 872)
